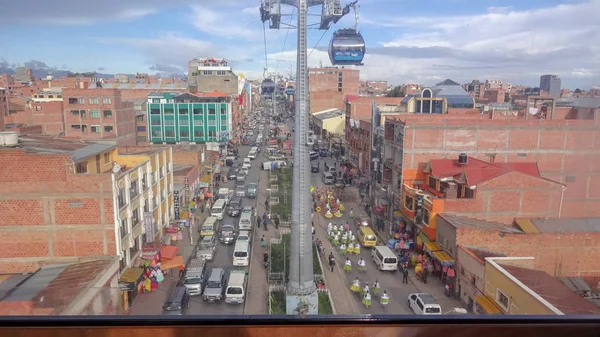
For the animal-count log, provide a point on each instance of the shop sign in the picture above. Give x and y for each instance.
(127, 286)
(149, 250)
(149, 226)
(75, 204)
(176, 204)
(171, 230)
(186, 191)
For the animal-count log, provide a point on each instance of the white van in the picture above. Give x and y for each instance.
(253, 153)
(218, 209)
(236, 287)
(241, 254)
(245, 222)
(424, 304)
(384, 258)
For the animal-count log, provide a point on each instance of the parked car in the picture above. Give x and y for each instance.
(227, 234)
(363, 220)
(235, 207)
(251, 190)
(424, 304)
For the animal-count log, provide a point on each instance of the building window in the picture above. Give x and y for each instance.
(73, 100)
(198, 111)
(141, 139)
(223, 111)
(124, 227)
(198, 122)
(108, 128)
(95, 128)
(94, 100)
(38, 108)
(212, 133)
(183, 111)
(432, 183)
(75, 112)
(409, 203)
(155, 121)
(81, 168)
(106, 100)
(142, 128)
(156, 100)
(94, 113)
(425, 216)
(81, 100)
(467, 193)
(169, 122)
(198, 133)
(207, 72)
(107, 158)
(135, 217)
(156, 133)
(170, 133)
(184, 122)
(121, 198)
(212, 122)
(185, 133)
(212, 111)
(140, 118)
(107, 113)
(169, 111)
(502, 300)
(221, 73)
(133, 189)
(154, 111)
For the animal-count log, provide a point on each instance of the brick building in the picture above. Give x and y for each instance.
(48, 115)
(62, 201)
(134, 91)
(563, 149)
(99, 114)
(335, 79)
(358, 139)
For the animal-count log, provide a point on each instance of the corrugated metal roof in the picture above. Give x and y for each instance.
(526, 226)
(35, 283)
(10, 283)
(332, 113)
(462, 222)
(575, 225)
(587, 102)
(576, 284)
(91, 150)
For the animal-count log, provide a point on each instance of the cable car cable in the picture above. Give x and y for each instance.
(317, 42)
(285, 40)
(265, 42)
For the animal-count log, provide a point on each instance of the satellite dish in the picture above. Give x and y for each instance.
(116, 168)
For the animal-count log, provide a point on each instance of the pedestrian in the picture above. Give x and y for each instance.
(405, 275)
(181, 269)
(331, 261)
(258, 222)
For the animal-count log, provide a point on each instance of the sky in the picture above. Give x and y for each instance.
(407, 41)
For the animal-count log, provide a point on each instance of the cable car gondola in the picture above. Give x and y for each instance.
(347, 47)
(267, 87)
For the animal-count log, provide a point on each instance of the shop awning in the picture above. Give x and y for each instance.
(488, 305)
(168, 252)
(131, 275)
(444, 258)
(173, 263)
(432, 247)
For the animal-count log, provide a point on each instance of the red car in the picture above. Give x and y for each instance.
(361, 221)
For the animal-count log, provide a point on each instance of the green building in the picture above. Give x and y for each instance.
(175, 117)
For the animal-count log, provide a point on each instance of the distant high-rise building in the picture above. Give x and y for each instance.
(211, 74)
(550, 84)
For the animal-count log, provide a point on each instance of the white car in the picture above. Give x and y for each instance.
(424, 304)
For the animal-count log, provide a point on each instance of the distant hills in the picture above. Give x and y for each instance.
(41, 70)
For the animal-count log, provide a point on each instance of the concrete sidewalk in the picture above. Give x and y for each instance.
(258, 288)
(151, 303)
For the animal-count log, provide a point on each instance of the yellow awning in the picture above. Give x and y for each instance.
(205, 179)
(443, 257)
(488, 305)
(433, 247)
(131, 275)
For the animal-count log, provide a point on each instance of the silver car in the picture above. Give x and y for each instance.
(207, 248)
(240, 191)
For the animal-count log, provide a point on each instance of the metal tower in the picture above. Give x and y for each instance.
(301, 297)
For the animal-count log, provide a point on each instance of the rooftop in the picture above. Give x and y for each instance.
(48, 145)
(51, 289)
(126, 86)
(468, 223)
(327, 114)
(481, 253)
(477, 171)
(553, 291)
(182, 170)
(574, 225)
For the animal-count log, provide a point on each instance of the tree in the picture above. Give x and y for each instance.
(396, 92)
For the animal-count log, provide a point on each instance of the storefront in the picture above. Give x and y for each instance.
(129, 284)
(485, 305)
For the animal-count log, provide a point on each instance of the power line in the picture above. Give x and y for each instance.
(285, 40)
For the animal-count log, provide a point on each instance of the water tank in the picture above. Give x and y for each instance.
(462, 159)
(9, 138)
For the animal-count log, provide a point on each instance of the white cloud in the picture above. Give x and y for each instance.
(500, 42)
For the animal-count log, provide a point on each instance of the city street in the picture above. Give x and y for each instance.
(388, 280)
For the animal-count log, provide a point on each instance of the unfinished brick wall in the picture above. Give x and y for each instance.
(570, 254)
(567, 151)
(50, 213)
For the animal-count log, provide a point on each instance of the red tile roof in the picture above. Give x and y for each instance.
(477, 171)
(553, 291)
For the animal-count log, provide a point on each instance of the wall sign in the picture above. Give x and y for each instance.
(149, 227)
(186, 192)
(176, 204)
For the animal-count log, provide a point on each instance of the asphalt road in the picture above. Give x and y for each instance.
(224, 253)
(390, 281)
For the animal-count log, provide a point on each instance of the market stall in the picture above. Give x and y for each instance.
(130, 283)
